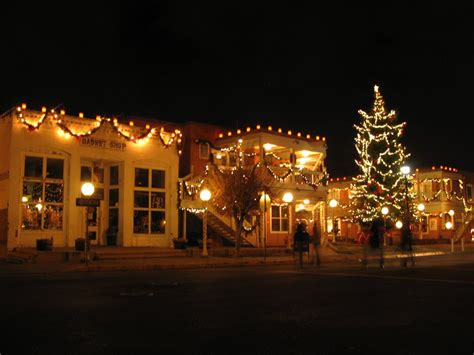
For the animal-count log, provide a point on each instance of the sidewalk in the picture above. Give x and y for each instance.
(340, 253)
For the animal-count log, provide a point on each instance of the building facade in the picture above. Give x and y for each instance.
(295, 161)
(46, 156)
(442, 207)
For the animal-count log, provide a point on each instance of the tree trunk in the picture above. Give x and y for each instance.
(238, 232)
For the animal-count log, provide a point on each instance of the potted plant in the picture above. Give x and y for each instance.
(180, 243)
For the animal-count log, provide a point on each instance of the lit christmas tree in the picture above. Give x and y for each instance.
(380, 182)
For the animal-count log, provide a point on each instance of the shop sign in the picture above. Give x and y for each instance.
(89, 202)
(103, 143)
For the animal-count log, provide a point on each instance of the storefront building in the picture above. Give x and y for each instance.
(46, 156)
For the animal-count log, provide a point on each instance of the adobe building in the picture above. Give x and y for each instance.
(46, 156)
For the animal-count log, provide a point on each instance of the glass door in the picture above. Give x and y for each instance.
(93, 171)
(113, 206)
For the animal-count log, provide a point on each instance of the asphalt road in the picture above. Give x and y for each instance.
(268, 310)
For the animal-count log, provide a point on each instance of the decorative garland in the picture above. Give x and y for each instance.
(142, 137)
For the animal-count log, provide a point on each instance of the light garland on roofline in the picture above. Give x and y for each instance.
(140, 137)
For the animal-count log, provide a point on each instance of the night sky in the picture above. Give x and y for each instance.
(307, 69)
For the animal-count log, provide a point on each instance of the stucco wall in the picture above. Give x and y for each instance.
(47, 140)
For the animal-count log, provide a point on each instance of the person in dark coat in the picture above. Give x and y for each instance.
(301, 238)
(377, 230)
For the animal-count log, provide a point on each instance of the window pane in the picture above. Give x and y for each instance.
(114, 175)
(53, 217)
(31, 217)
(141, 199)
(157, 200)
(113, 197)
(98, 175)
(53, 193)
(284, 211)
(140, 222)
(34, 167)
(86, 173)
(54, 168)
(275, 211)
(275, 225)
(158, 179)
(32, 191)
(141, 177)
(158, 222)
(284, 225)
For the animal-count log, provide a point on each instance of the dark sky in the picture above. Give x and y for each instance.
(301, 68)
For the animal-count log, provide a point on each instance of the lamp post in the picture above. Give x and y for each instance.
(333, 204)
(204, 195)
(405, 237)
(421, 208)
(385, 211)
(87, 190)
(288, 198)
(449, 226)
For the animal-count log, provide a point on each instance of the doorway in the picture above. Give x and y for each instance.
(103, 220)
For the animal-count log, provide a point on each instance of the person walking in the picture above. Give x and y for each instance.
(376, 239)
(301, 241)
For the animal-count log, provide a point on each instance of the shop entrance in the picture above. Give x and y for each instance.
(104, 221)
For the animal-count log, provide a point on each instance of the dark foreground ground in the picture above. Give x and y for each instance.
(427, 309)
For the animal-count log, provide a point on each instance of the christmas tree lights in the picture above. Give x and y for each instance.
(380, 182)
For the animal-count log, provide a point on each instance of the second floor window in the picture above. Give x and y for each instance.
(204, 151)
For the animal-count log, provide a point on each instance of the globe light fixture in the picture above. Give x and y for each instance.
(449, 225)
(87, 189)
(205, 195)
(399, 224)
(451, 212)
(385, 211)
(333, 203)
(405, 169)
(288, 197)
(421, 207)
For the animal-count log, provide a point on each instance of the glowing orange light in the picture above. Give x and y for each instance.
(81, 115)
(43, 109)
(221, 135)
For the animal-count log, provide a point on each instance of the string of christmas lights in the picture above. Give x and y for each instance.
(142, 136)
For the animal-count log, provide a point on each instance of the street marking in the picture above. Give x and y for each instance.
(463, 282)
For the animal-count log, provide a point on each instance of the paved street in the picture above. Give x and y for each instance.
(341, 308)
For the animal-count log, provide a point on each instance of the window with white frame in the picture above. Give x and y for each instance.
(149, 212)
(42, 199)
(279, 218)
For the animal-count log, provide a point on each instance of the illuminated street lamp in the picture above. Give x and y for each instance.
(333, 204)
(385, 211)
(449, 226)
(288, 198)
(87, 190)
(399, 224)
(406, 233)
(205, 196)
